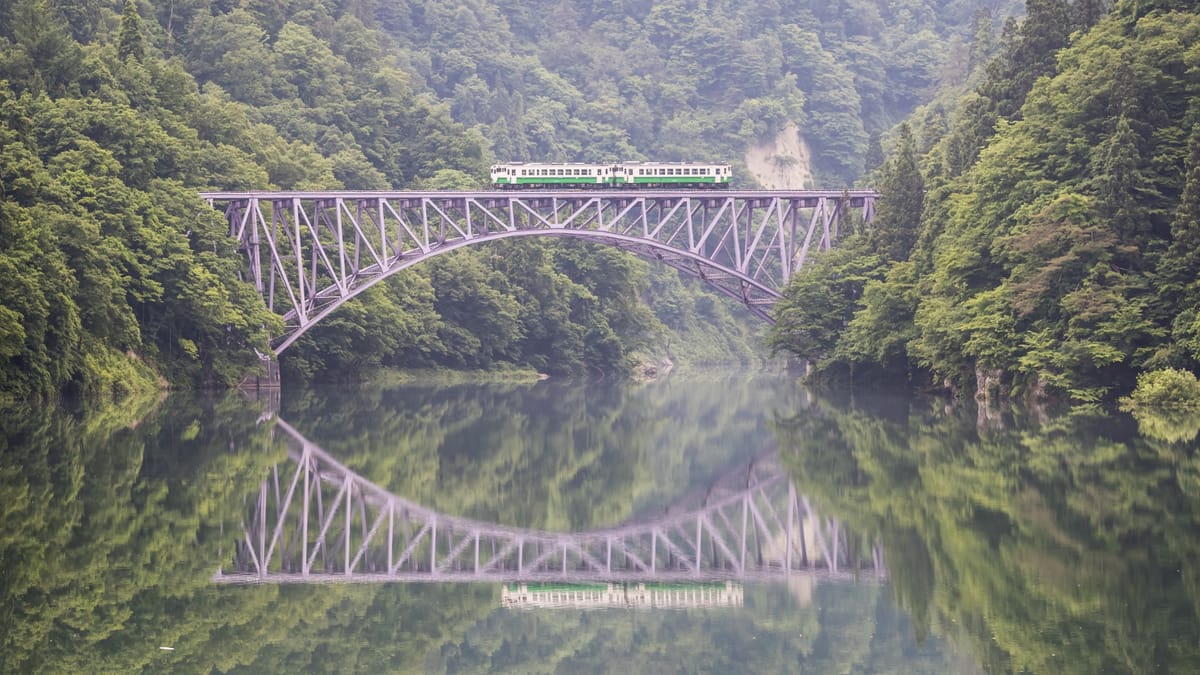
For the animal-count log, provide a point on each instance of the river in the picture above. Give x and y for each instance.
(719, 523)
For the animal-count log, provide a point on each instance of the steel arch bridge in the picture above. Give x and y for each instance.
(309, 252)
(316, 521)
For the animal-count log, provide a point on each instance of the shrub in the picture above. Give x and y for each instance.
(1166, 388)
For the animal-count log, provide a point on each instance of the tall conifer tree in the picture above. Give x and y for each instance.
(129, 41)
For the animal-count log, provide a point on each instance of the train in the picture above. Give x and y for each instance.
(518, 175)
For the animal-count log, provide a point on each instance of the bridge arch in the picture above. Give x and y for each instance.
(308, 253)
(317, 521)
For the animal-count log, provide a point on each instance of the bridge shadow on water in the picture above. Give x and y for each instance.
(314, 521)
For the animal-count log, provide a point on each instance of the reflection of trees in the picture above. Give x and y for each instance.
(1168, 424)
(554, 455)
(111, 530)
(106, 536)
(108, 539)
(1066, 546)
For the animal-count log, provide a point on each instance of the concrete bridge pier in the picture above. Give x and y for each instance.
(263, 376)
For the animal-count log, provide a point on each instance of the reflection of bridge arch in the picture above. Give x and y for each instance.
(309, 252)
(322, 522)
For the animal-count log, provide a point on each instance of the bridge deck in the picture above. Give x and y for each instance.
(526, 193)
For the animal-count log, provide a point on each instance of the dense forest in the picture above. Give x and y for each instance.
(1038, 233)
(113, 117)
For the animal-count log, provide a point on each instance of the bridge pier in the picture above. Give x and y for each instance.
(263, 376)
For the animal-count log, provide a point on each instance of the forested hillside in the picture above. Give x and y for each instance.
(1043, 240)
(114, 116)
(688, 79)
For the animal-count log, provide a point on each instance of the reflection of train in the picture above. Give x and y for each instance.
(636, 594)
(623, 174)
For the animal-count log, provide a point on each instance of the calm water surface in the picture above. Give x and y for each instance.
(700, 524)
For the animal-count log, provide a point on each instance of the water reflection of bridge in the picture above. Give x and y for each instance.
(314, 520)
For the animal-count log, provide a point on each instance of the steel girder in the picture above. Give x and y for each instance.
(314, 520)
(309, 252)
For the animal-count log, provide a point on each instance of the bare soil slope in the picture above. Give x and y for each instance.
(782, 162)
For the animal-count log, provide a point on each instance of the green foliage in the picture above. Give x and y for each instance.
(821, 301)
(1166, 388)
(893, 233)
(1055, 250)
(111, 120)
(669, 79)
(129, 40)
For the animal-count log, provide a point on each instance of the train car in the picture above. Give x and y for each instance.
(516, 175)
(672, 174)
(534, 175)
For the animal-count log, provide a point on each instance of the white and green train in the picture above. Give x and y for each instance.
(624, 174)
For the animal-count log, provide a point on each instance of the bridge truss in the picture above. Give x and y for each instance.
(314, 520)
(309, 252)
